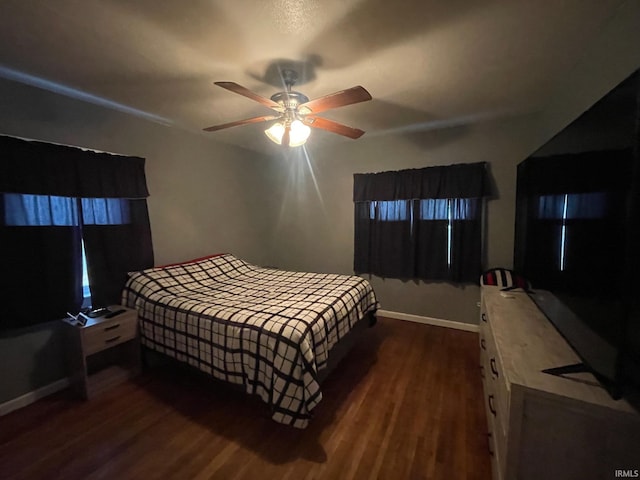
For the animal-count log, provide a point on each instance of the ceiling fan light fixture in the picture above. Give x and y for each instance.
(296, 113)
(275, 132)
(298, 134)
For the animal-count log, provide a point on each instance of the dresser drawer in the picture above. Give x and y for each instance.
(493, 371)
(496, 445)
(110, 332)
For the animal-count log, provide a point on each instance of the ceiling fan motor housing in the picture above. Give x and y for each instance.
(290, 100)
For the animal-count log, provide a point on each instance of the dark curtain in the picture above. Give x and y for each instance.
(570, 222)
(468, 180)
(431, 239)
(384, 228)
(48, 169)
(41, 274)
(112, 250)
(466, 242)
(43, 189)
(420, 223)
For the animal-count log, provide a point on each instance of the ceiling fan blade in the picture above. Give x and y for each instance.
(239, 89)
(334, 127)
(339, 99)
(247, 121)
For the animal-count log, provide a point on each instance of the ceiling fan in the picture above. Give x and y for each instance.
(296, 113)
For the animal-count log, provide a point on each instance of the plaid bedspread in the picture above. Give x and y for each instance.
(268, 330)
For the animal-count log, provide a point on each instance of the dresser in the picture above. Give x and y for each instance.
(541, 425)
(104, 351)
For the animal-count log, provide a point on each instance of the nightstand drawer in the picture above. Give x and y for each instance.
(108, 333)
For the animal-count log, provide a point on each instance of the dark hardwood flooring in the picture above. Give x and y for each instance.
(405, 403)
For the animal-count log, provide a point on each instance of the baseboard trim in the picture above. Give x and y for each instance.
(467, 327)
(35, 395)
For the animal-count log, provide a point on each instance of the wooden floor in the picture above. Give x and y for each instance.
(406, 403)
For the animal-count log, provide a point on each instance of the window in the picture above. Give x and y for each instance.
(57, 202)
(431, 230)
(49, 210)
(428, 209)
(28, 210)
(86, 287)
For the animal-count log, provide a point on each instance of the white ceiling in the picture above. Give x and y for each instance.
(427, 63)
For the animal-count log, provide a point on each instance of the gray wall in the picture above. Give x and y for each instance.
(31, 358)
(315, 228)
(205, 198)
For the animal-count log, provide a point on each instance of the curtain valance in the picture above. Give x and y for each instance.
(68, 171)
(468, 180)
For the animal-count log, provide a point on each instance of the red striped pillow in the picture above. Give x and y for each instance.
(505, 278)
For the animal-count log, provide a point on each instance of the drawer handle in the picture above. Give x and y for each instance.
(494, 368)
(484, 317)
(111, 327)
(491, 407)
(490, 441)
(113, 339)
(483, 344)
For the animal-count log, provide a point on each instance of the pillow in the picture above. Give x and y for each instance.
(503, 277)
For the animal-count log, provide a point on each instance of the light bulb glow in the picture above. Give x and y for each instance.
(298, 133)
(275, 132)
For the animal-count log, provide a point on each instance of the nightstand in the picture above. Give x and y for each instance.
(103, 352)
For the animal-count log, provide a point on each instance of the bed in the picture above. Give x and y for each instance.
(270, 331)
